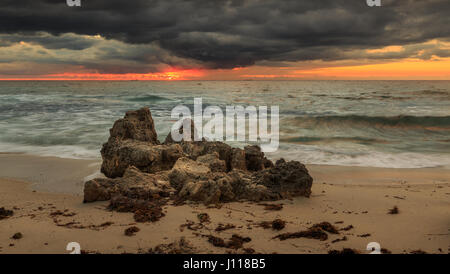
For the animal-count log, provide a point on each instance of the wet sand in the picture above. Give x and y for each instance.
(343, 196)
(50, 174)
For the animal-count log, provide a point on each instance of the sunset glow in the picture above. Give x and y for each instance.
(408, 69)
(160, 76)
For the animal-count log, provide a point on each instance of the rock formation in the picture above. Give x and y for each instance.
(139, 168)
(287, 179)
(134, 184)
(136, 125)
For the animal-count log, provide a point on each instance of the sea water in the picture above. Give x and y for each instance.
(398, 124)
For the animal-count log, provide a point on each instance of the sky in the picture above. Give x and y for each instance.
(224, 40)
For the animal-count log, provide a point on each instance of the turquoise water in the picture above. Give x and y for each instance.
(403, 124)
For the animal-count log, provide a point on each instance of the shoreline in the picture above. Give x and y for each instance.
(360, 197)
(67, 176)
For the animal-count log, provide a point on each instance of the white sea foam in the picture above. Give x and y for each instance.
(319, 155)
(66, 151)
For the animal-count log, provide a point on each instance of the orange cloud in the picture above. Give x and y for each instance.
(386, 49)
(402, 70)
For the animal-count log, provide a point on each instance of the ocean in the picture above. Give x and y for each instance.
(395, 124)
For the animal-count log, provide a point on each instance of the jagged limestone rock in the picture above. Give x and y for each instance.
(139, 168)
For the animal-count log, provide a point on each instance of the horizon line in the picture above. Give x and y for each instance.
(206, 80)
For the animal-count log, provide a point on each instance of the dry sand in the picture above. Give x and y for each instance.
(355, 196)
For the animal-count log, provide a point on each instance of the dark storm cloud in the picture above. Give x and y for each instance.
(230, 33)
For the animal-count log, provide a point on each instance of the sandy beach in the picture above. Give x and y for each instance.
(354, 197)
